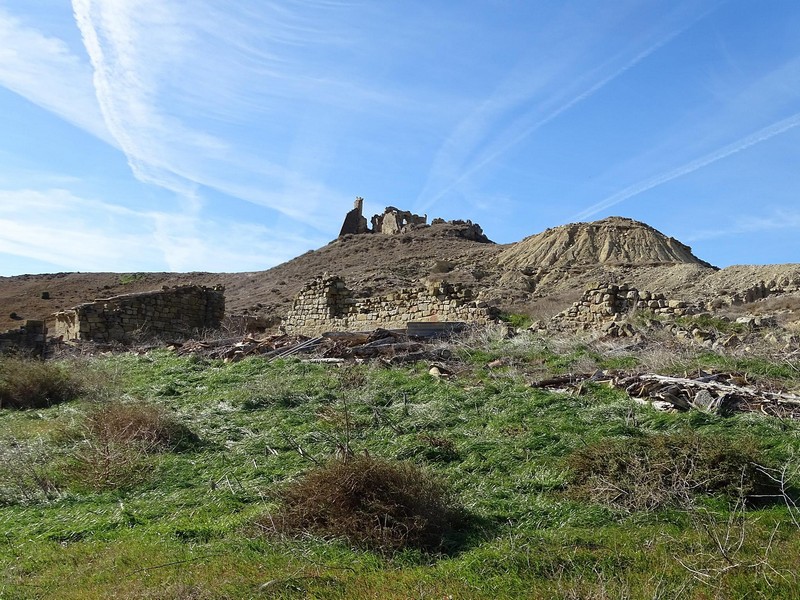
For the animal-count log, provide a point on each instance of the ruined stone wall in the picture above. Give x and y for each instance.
(30, 338)
(603, 304)
(177, 311)
(326, 304)
(354, 221)
(393, 221)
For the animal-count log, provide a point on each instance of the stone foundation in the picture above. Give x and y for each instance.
(30, 338)
(326, 304)
(178, 311)
(603, 304)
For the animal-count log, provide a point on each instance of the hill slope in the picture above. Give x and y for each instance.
(543, 273)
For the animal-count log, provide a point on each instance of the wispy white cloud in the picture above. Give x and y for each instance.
(60, 228)
(739, 145)
(45, 71)
(127, 73)
(76, 233)
(141, 54)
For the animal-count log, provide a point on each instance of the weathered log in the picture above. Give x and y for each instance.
(780, 397)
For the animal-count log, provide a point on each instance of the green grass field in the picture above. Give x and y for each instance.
(87, 511)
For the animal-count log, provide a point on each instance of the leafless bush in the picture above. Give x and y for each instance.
(371, 503)
(148, 426)
(786, 481)
(480, 336)
(25, 474)
(117, 439)
(726, 542)
(668, 470)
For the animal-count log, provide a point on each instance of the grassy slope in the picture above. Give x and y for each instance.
(187, 531)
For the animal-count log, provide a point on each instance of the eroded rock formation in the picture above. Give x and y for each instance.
(614, 241)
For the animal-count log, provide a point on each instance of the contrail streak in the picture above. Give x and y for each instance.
(545, 120)
(759, 136)
(587, 93)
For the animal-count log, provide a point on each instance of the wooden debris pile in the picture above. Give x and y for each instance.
(720, 393)
(379, 343)
(391, 346)
(235, 349)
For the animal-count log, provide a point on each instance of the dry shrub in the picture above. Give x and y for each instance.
(30, 383)
(149, 427)
(26, 474)
(373, 504)
(670, 470)
(118, 439)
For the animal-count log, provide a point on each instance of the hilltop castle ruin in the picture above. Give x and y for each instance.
(394, 221)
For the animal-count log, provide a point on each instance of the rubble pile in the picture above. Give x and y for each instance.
(719, 393)
(604, 304)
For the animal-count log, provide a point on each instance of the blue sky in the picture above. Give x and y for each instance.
(231, 136)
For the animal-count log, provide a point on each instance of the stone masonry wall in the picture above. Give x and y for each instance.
(603, 304)
(176, 311)
(31, 337)
(326, 304)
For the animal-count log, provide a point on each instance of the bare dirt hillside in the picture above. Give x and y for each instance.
(611, 241)
(541, 274)
(371, 264)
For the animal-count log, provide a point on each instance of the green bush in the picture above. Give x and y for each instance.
(708, 321)
(29, 383)
(518, 321)
(669, 470)
(373, 504)
(128, 278)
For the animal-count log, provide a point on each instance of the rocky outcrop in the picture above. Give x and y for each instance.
(464, 229)
(326, 304)
(177, 311)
